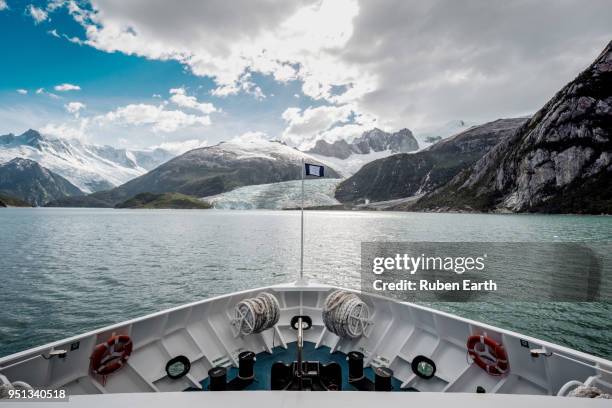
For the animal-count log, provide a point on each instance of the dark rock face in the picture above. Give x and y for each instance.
(208, 171)
(405, 175)
(560, 161)
(374, 140)
(340, 149)
(27, 180)
(433, 139)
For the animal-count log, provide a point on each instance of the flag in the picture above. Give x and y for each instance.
(314, 170)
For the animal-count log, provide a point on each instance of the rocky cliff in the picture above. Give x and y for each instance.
(405, 175)
(560, 161)
(27, 180)
(374, 140)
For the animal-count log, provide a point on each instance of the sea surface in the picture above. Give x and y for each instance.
(67, 271)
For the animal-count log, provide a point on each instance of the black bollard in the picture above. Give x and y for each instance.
(218, 379)
(246, 365)
(382, 379)
(355, 365)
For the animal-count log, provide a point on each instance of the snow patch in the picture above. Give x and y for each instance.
(351, 165)
(89, 167)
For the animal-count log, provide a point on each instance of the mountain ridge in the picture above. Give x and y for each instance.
(557, 162)
(374, 140)
(29, 181)
(409, 174)
(210, 170)
(89, 167)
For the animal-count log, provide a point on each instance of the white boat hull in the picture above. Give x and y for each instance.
(202, 332)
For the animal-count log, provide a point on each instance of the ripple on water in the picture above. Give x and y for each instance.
(68, 263)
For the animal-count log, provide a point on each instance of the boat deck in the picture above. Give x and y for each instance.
(264, 361)
(397, 335)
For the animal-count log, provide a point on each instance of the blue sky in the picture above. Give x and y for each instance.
(37, 58)
(145, 73)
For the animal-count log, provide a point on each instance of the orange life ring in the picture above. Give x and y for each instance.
(492, 356)
(111, 355)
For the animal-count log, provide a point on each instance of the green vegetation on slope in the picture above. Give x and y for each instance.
(164, 200)
(8, 201)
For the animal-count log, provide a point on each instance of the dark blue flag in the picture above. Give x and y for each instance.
(314, 170)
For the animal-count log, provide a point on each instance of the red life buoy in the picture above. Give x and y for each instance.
(111, 355)
(491, 356)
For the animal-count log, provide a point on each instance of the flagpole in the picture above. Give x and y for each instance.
(302, 228)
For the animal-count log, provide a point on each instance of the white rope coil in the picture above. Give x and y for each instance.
(584, 391)
(345, 314)
(6, 386)
(254, 315)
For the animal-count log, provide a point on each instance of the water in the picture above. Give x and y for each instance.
(67, 271)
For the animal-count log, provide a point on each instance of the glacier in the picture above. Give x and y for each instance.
(351, 165)
(276, 196)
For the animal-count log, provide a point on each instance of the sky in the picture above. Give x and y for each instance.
(144, 73)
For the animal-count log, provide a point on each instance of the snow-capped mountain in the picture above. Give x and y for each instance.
(89, 167)
(27, 180)
(212, 170)
(373, 144)
(374, 140)
(408, 175)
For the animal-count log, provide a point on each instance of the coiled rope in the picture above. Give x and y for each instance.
(345, 314)
(585, 391)
(6, 386)
(254, 315)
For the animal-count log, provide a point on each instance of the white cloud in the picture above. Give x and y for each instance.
(66, 87)
(158, 117)
(307, 125)
(294, 39)
(329, 122)
(3, 5)
(39, 15)
(244, 84)
(22, 91)
(67, 130)
(180, 98)
(402, 62)
(251, 137)
(181, 147)
(42, 91)
(54, 33)
(75, 108)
